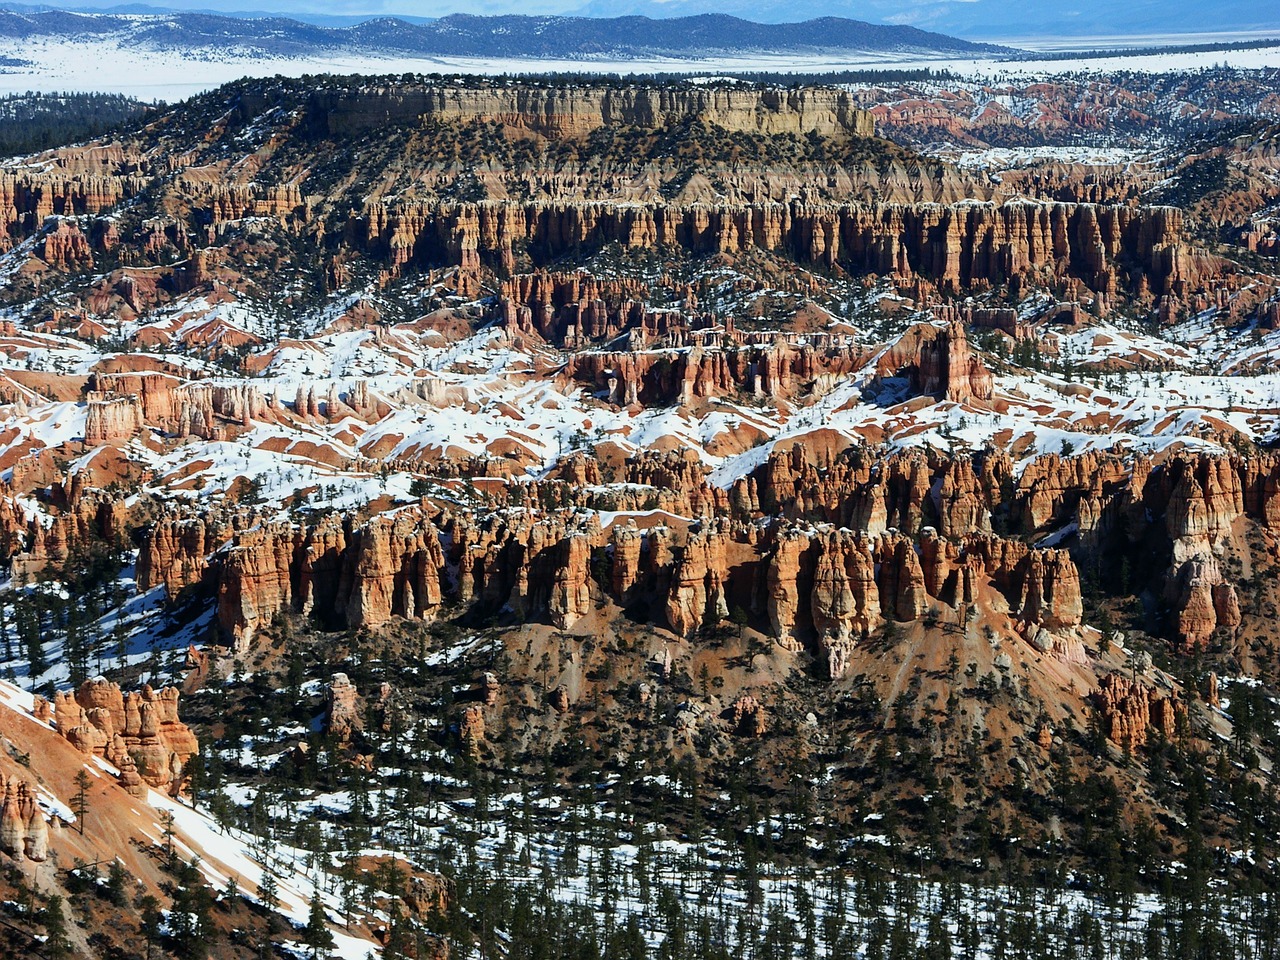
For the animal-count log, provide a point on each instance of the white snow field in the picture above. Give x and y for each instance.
(110, 63)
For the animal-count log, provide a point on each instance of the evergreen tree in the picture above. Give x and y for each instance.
(316, 934)
(55, 928)
(190, 921)
(152, 921)
(80, 802)
(117, 883)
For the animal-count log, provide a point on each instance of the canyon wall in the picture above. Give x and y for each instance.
(573, 112)
(855, 543)
(954, 246)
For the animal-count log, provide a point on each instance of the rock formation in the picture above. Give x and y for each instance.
(860, 542)
(1129, 711)
(573, 112)
(749, 717)
(112, 419)
(140, 727)
(939, 362)
(343, 715)
(24, 832)
(968, 246)
(698, 594)
(471, 728)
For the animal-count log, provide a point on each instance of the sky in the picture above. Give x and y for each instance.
(974, 19)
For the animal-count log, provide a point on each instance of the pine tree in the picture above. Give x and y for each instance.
(166, 823)
(55, 927)
(117, 883)
(80, 803)
(152, 921)
(316, 934)
(269, 893)
(191, 922)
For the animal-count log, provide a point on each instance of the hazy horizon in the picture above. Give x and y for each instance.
(974, 19)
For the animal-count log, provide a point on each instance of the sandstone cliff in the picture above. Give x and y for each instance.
(139, 732)
(954, 247)
(575, 111)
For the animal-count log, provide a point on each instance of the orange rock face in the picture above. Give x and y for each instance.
(940, 362)
(112, 420)
(342, 709)
(852, 542)
(697, 594)
(398, 562)
(66, 247)
(954, 247)
(140, 728)
(23, 829)
(571, 589)
(1131, 711)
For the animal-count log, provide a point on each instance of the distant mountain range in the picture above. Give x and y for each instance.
(989, 19)
(971, 19)
(504, 36)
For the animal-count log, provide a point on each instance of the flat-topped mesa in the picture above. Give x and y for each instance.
(141, 726)
(575, 111)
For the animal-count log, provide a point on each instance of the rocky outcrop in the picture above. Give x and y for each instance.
(176, 551)
(690, 373)
(854, 541)
(24, 832)
(860, 581)
(698, 593)
(749, 718)
(1131, 711)
(488, 689)
(1050, 594)
(571, 590)
(343, 715)
(112, 419)
(953, 247)
(471, 728)
(130, 780)
(66, 247)
(845, 602)
(1204, 500)
(397, 566)
(141, 728)
(939, 362)
(255, 580)
(628, 542)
